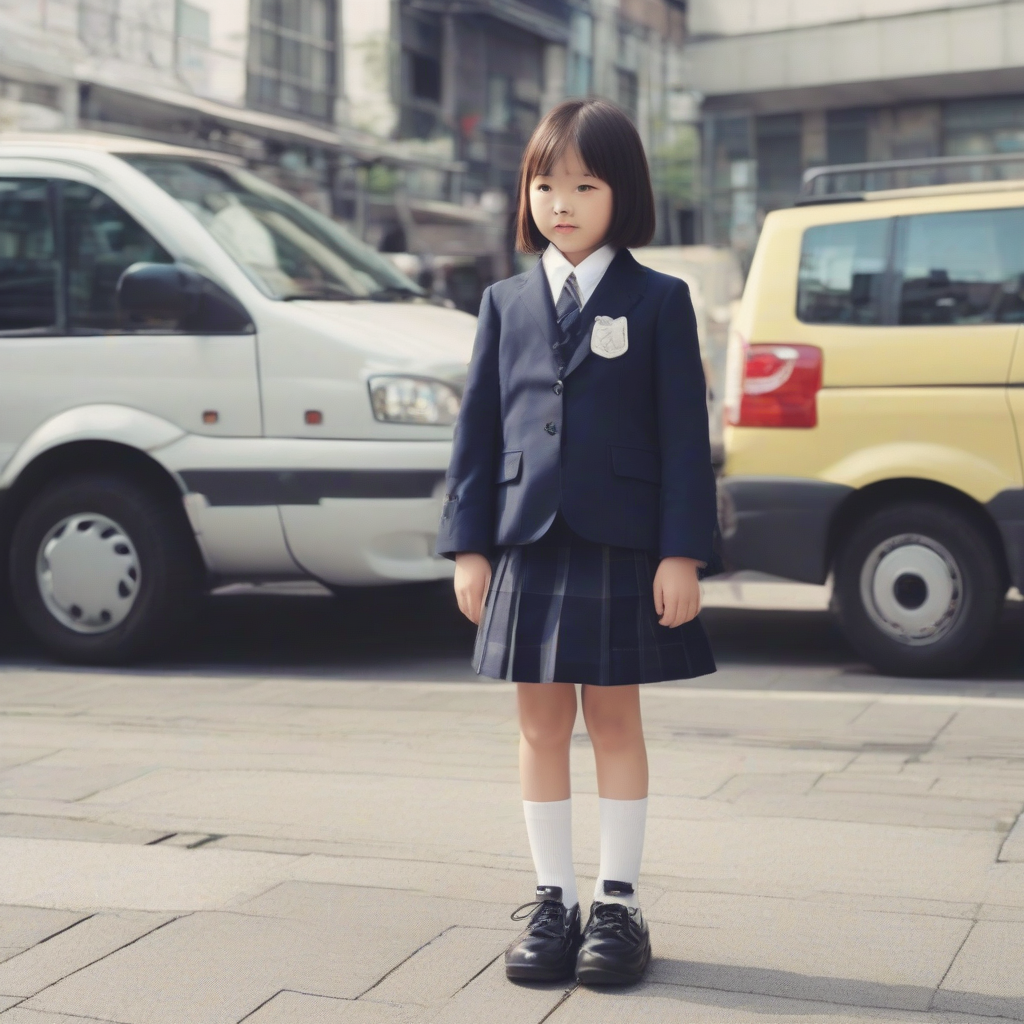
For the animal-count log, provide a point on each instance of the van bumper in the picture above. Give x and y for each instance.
(778, 525)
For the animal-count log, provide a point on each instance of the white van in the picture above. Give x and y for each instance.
(202, 380)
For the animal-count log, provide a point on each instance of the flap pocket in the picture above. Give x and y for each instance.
(638, 463)
(510, 467)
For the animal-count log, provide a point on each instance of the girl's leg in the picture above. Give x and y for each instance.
(547, 713)
(612, 714)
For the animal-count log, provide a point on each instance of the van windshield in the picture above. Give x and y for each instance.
(287, 248)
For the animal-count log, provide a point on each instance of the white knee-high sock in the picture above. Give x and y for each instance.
(622, 846)
(549, 826)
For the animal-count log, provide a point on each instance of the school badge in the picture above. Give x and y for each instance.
(609, 338)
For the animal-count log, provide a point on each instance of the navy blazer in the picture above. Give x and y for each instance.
(620, 445)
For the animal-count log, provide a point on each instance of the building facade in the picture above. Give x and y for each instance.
(788, 86)
(469, 80)
(404, 119)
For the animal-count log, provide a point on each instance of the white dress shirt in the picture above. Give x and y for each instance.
(588, 273)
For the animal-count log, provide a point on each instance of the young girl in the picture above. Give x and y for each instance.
(581, 501)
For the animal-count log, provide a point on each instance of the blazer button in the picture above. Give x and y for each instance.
(551, 428)
(557, 387)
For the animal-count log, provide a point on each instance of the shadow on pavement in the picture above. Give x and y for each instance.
(416, 632)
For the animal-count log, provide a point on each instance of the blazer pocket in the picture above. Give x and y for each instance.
(637, 463)
(510, 467)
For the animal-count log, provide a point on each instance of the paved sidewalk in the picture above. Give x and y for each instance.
(179, 849)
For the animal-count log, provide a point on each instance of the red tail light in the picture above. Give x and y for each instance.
(780, 383)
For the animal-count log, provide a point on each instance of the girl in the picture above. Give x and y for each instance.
(581, 471)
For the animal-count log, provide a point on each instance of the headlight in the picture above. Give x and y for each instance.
(414, 400)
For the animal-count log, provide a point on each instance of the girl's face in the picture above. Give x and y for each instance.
(571, 207)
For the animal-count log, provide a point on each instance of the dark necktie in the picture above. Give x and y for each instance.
(567, 312)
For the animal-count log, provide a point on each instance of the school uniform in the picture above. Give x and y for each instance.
(581, 458)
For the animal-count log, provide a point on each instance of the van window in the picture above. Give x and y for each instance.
(842, 273)
(28, 263)
(288, 249)
(102, 241)
(962, 268)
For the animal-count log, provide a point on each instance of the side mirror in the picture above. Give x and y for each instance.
(175, 297)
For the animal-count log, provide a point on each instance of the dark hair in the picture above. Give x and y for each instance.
(610, 149)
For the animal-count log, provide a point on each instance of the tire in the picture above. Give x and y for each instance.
(103, 571)
(919, 590)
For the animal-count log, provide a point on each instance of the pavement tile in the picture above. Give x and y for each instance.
(1013, 848)
(904, 721)
(802, 950)
(59, 782)
(507, 888)
(441, 968)
(8, 1001)
(37, 826)
(71, 950)
(778, 854)
(987, 977)
(109, 875)
(493, 999)
(921, 811)
(301, 1008)
(865, 782)
(653, 1002)
(976, 722)
(23, 1015)
(25, 926)
(12, 753)
(320, 939)
(459, 812)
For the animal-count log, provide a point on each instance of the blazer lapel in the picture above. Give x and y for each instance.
(618, 292)
(536, 296)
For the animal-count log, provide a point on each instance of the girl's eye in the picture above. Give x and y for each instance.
(585, 188)
(543, 188)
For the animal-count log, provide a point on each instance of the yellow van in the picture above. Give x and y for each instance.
(875, 408)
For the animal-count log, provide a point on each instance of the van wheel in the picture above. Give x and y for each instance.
(102, 571)
(919, 590)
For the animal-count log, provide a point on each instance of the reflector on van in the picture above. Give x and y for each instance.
(780, 383)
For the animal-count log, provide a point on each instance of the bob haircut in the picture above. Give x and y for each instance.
(610, 148)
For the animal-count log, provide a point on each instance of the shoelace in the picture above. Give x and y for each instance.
(548, 917)
(611, 919)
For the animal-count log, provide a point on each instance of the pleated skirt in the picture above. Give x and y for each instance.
(567, 610)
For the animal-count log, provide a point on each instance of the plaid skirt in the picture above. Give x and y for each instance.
(567, 610)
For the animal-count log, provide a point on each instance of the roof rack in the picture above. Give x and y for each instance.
(844, 183)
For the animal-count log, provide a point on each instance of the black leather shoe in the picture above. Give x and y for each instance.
(616, 946)
(546, 951)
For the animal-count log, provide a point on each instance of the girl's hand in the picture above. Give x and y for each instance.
(472, 578)
(677, 591)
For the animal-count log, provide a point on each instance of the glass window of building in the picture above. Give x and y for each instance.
(979, 127)
(779, 159)
(580, 70)
(847, 136)
(422, 79)
(962, 268)
(842, 273)
(292, 54)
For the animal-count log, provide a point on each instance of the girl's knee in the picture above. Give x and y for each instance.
(546, 733)
(548, 722)
(612, 722)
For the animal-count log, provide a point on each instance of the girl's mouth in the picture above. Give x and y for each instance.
(565, 228)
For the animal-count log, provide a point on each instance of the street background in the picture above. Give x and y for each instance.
(308, 811)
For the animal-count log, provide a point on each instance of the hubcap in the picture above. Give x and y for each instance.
(88, 573)
(912, 589)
